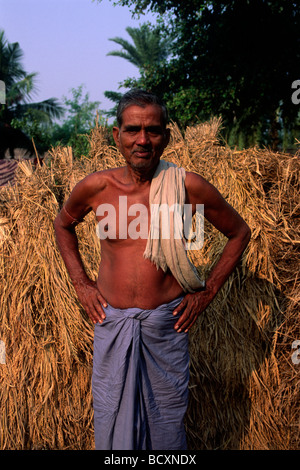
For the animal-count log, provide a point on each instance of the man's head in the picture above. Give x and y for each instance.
(140, 98)
(142, 134)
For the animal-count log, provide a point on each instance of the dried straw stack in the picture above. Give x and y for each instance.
(244, 386)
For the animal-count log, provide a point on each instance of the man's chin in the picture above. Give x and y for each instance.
(144, 163)
(141, 164)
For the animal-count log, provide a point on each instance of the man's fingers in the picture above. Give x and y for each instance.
(93, 307)
(187, 324)
(180, 307)
(92, 301)
(191, 307)
(97, 301)
(93, 315)
(102, 300)
(98, 304)
(183, 322)
(188, 316)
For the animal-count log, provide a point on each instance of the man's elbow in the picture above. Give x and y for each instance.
(56, 223)
(62, 226)
(58, 226)
(245, 234)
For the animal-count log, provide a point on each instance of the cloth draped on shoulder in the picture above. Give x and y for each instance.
(168, 189)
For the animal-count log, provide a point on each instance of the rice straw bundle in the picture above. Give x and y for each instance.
(244, 387)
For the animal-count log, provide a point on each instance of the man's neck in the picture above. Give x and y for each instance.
(139, 176)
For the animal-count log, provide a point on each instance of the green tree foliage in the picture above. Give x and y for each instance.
(20, 87)
(80, 116)
(37, 120)
(35, 125)
(115, 97)
(236, 58)
(149, 49)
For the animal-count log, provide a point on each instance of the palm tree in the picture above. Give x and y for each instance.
(20, 86)
(148, 48)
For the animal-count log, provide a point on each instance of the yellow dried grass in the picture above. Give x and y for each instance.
(244, 387)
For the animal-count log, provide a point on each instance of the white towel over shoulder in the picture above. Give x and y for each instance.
(168, 188)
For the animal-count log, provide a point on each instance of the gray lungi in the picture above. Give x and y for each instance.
(140, 380)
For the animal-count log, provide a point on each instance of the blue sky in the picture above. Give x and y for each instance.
(66, 42)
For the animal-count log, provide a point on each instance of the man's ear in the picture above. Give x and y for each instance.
(116, 132)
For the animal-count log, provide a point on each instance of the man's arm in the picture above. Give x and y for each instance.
(74, 210)
(231, 224)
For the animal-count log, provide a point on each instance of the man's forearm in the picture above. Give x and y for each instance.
(86, 289)
(68, 246)
(228, 261)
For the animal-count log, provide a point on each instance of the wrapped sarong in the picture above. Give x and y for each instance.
(140, 380)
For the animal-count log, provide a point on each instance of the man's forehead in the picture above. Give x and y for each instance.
(135, 114)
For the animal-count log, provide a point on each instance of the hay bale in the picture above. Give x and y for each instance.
(244, 385)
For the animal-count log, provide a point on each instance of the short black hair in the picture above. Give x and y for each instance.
(141, 98)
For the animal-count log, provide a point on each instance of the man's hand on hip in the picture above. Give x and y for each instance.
(190, 308)
(91, 300)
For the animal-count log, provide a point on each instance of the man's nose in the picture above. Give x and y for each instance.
(142, 138)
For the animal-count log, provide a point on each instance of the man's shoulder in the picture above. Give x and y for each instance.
(200, 189)
(195, 181)
(97, 181)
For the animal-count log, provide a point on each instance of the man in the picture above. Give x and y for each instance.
(141, 312)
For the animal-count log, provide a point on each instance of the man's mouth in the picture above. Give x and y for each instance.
(143, 153)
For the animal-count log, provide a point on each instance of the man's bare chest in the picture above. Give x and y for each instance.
(122, 215)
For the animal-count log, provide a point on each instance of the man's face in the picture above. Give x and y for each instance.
(142, 137)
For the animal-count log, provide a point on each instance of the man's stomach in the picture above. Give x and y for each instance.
(128, 280)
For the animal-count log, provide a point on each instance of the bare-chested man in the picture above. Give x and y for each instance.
(131, 287)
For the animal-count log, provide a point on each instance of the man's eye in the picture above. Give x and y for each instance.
(154, 131)
(131, 131)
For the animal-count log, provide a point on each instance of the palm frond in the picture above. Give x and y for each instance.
(20, 85)
(148, 47)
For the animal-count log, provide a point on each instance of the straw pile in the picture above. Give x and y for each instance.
(244, 387)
